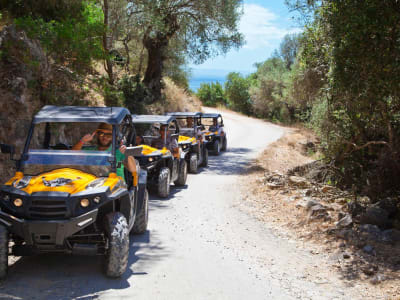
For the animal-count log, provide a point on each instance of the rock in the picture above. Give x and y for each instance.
(368, 249)
(378, 278)
(389, 205)
(391, 236)
(346, 255)
(369, 270)
(344, 222)
(327, 188)
(343, 233)
(298, 181)
(308, 192)
(273, 185)
(311, 203)
(370, 232)
(355, 208)
(375, 216)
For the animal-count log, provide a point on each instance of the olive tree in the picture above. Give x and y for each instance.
(205, 28)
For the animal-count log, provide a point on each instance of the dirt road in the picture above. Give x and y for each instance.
(200, 245)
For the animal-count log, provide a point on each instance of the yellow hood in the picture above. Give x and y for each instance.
(60, 180)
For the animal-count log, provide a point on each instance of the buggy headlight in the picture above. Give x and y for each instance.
(151, 159)
(84, 202)
(18, 202)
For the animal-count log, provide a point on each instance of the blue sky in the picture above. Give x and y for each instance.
(264, 24)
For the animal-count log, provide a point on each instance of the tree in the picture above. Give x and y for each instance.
(289, 48)
(206, 28)
(237, 92)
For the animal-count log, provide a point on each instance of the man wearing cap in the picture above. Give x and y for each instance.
(104, 140)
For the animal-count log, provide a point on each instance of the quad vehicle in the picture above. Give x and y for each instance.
(162, 166)
(190, 134)
(214, 132)
(73, 201)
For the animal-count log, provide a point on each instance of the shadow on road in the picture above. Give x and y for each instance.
(234, 161)
(59, 276)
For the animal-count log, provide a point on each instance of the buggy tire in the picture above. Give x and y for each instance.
(204, 163)
(141, 220)
(182, 174)
(217, 147)
(163, 182)
(3, 252)
(224, 144)
(116, 257)
(193, 163)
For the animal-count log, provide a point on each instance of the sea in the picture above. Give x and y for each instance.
(195, 82)
(199, 76)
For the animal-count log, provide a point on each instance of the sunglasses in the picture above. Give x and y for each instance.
(102, 133)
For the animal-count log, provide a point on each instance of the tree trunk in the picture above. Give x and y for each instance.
(156, 47)
(106, 45)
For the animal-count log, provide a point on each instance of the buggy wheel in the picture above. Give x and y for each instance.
(182, 174)
(204, 163)
(216, 147)
(3, 251)
(224, 144)
(116, 257)
(193, 163)
(140, 225)
(163, 182)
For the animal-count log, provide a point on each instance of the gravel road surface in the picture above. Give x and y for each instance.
(199, 245)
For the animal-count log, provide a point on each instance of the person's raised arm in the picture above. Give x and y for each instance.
(85, 139)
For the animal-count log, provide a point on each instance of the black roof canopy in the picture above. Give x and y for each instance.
(52, 113)
(210, 115)
(150, 119)
(182, 114)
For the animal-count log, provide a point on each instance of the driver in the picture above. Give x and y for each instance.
(171, 143)
(104, 140)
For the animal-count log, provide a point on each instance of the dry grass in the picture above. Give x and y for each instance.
(279, 208)
(178, 99)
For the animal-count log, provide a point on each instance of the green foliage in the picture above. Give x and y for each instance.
(75, 41)
(211, 94)
(135, 94)
(237, 92)
(289, 48)
(350, 50)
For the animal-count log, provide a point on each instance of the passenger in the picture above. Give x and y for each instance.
(104, 140)
(170, 142)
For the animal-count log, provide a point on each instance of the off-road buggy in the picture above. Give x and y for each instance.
(72, 201)
(215, 135)
(162, 166)
(190, 134)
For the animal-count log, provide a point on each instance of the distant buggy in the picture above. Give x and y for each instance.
(213, 128)
(190, 131)
(73, 201)
(162, 166)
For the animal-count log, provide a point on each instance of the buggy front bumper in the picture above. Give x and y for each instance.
(48, 232)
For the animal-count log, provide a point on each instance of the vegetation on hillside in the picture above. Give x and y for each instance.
(132, 43)
(340, 76)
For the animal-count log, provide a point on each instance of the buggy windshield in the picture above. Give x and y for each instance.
(51, 148)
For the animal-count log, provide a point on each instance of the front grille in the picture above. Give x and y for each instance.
(48, 209)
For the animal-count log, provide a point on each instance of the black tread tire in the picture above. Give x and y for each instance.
(193, 163)
(141, 220)
(216, 148)
(3, 252)
(204, 163)
(163, 182)
(224, 144)
(182, 174)
(116, 257)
